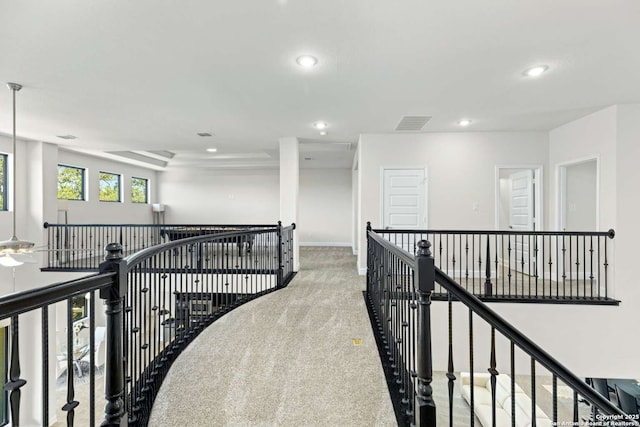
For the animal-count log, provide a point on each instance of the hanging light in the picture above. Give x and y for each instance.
(13, 252)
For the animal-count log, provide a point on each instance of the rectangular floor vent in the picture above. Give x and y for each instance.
(412, 123)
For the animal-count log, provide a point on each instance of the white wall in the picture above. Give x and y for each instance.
(627, 237)
(581, 196)
(93, 211)
(460, 172)
(325, 207)
(593, 136)
(205, 196)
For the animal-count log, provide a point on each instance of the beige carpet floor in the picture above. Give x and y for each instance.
(291, 358)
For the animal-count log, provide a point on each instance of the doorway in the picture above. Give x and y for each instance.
(519, 209)
(519, 198)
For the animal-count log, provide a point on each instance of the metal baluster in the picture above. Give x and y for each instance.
(555, 400)
(535, 266)
(466, 262)
(488, 286)
(15, 382)
(591, 268)
(509, 265)
(584, 266)
(530, 261)
(71, 403)
(533, 392)
(564, 267)
(450, 372)
(522, 263)
(495, 238)
(92, 359)
(494, 372)
(513, 383)
(45, 365)
(472, 419)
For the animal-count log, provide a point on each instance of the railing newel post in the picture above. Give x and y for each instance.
(115, 409)
(369, 256)
(280, 257)
(425, 407)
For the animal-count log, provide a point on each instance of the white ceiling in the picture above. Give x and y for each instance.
(148, 75)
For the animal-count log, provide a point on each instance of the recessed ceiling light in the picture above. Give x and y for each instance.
(212, 150)
(464, 122)
(306, 61)
(536, 71)
(323, 132)
(204, 134)
(67, 136)
(320, 125)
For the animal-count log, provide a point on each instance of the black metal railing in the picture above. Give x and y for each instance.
(399, 291)
(519, 265)
(79, 247)
(156, 302)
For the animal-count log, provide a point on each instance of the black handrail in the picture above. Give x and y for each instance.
(528, 346)
(610, 233)
(49, 224)
(32, 299)
(138, 257)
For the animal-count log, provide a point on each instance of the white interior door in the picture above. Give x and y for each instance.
(521, 217)
(404, 205)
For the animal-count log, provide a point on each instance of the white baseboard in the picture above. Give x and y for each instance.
(340, 244)
(355, 251)
(362, 271)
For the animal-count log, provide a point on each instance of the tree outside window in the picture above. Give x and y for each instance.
(139, 190)
(71, 182)
(109, 187)
(3, 182)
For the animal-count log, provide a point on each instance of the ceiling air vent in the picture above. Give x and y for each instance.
(412, 123)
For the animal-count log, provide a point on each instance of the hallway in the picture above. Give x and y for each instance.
(286, 359)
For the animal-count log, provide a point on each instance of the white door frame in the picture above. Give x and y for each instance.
(426, 191)
(538, 176)
(561, 188)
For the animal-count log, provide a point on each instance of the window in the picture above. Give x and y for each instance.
(139, 190)
(109, 187)
(3, 182)
(71, 182)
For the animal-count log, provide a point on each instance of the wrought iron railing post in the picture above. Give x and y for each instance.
(280, 257)
(369, 257)
(425, 407)
(115, 410)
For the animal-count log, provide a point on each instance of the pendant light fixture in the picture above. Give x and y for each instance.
(14, 252)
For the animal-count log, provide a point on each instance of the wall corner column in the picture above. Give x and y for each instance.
(289, 189)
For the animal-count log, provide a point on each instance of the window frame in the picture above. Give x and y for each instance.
(83, 184)
(119, 186)
(146, 189)
(4, 184)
